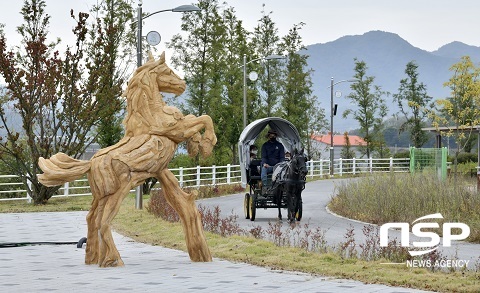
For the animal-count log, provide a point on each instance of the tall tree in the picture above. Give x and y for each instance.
(413, 100)
(265, 41)
(56, 99)
(230, 115)
(371, 108)
(197, 53)
(298, 104)
(201, 56)
(109, 46)
(461, 111)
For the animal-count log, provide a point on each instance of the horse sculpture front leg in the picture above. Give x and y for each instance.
(193, 126)
(184, 205)
(189, 129)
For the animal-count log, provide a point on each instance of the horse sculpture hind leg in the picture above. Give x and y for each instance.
(109, 255)
(111, 179)
(91, 251)
(101, 248)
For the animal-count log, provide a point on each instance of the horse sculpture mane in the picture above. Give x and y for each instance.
(152, 133)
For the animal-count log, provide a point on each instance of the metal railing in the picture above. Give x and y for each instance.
(12, 189)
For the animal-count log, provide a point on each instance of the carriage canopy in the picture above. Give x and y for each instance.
(287, 134)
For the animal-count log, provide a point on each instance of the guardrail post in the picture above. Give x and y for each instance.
(66, 186)
(371, 164)
(391, 164)
(29, 184)
(198, 176)
(354, 166)
(340, 167)
(214, 175)
(321, 167)
(180, 175)
(229, 175)
(311, 166)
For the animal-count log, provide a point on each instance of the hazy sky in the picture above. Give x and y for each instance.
(426, 24)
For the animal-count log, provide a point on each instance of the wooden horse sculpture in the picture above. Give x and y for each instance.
(152, 133)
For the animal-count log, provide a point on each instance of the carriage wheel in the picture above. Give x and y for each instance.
(253, 210)
(246, 206)
(298, 214)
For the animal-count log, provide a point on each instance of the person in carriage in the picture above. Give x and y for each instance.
(254, 166)
(273, 153)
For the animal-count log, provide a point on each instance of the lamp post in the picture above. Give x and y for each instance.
(269, 57)
(331, 120)
(181, 8)
(140, 18)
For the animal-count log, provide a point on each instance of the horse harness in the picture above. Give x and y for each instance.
(282, 175)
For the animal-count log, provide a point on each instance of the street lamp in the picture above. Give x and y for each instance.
(269, 57)
(331, 119)
(181, 8)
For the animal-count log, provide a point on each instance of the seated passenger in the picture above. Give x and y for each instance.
(287, 156)
(254, 166)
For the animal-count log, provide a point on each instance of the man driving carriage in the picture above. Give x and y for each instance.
(273, 153)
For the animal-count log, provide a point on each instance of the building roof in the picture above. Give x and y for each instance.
(453, 128)
(339, 140)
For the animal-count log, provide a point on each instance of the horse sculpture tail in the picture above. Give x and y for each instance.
(61, 168)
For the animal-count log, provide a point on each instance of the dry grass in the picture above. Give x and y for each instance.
(383, 198)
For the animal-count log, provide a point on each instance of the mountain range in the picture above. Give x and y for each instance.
(386, 56)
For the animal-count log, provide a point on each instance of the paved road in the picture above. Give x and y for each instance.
(61, 268)
(316, 196)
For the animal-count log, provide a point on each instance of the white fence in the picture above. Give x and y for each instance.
(357, 166)
(12, 189)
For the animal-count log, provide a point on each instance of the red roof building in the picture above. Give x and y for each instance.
(321, 145)
(339, 140)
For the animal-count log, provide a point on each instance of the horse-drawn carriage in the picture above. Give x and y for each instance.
(284, 191)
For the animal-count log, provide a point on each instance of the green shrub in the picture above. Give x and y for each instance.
(466, 158)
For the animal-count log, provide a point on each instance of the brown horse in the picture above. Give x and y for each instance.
(152, 133)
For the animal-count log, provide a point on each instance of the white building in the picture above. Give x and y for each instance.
(321, 145)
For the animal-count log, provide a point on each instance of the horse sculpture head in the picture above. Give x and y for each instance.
(145, 104)
(166, 80)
